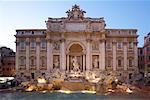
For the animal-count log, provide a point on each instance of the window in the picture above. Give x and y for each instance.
(130, 75)
(141, 52)
(32, 61)
(22, 45)
(43, 61)
(130, 45)
(43, 44)
(32, 75)
(130, 62)
(108, 45)
(147, 49)
(32, 44)
(109, 63)
(119, 63)
(22, 61)
(32, 32)
(119, 45)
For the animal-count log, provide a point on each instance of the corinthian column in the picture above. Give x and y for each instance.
(125, 55)
(88, 55)
(17, 56)
(38, 53)
(102, 48)
(135, 56)
(63, 55)
(27, 53)
(114, 56)
(49, 55)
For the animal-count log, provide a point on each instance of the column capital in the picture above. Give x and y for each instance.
(102, 40)
(49, 40)
(114, 42)
(88, 40)
(37, 40)
(62, 40)
(125, 43)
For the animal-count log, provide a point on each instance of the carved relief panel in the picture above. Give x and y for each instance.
(56, 45)
(95, 45)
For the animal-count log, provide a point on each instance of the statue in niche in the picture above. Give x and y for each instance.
(75, 64)
(56, 46)
(56, 63)
(95, 63)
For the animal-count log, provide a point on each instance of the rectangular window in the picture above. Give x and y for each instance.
(130, 62)
(22, 61)
(32, 44)
(43, 62)
(119, 63)
(43, 44)
(119, 45)
(109, 45)
(147, 49)
(109, 63)
(22, 45)
(130, 45)
(32, 62)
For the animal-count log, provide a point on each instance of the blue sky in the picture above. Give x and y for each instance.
(26, 14)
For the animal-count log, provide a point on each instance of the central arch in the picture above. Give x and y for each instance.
(76, 50)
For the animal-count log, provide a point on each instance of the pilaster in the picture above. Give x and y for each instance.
(114, 56)
(27, 53)
(136, 55)
(63, 55)
(102, 50)
(88, 54)
(38, 53)
(125, 55)
(17, 55)
(49, 55)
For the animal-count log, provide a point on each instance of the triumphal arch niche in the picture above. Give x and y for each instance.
(81, 40)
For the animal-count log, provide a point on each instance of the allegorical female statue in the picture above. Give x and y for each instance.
(95, 63)
(75, 64)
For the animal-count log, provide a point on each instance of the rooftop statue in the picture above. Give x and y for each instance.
(75, 13)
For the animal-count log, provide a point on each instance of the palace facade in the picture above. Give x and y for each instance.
(76, 43)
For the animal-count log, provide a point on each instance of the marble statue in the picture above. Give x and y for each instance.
(56, 63)
(95, 63)
(75, 64)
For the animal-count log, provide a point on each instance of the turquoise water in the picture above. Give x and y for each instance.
(72, 96)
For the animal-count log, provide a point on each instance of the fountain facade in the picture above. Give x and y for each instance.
(76, 46)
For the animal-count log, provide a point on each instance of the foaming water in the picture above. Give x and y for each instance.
(71, 96)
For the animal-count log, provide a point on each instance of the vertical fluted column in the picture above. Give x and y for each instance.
(49, 55)
(63, 55)
(102, 54)
(114, 56)
(136, 56)
(84, 62)
(17, 55)
(38, 53)
(88, 56)
(27, 53)
(125, 55)
(68, 62)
